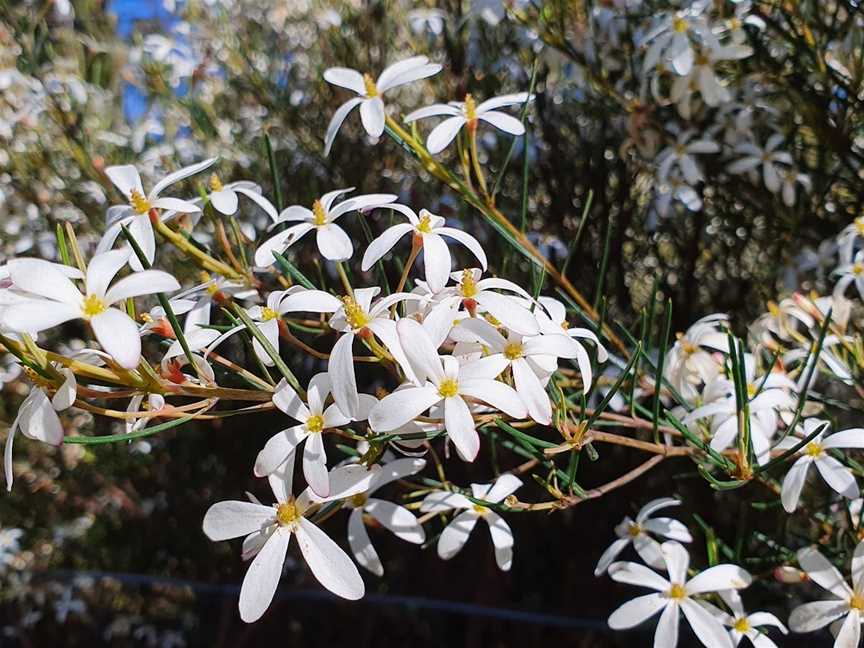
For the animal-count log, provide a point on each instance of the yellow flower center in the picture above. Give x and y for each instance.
(470, 108)
(139, 202)
(480, 509)
(634, 530)
(751, 390)
(359, 500)
(702, 59)
(856, 602)
(424, 225)
(513, 351)
(813, 449)
(93, 306)
(734, 23)
(354, 313)
(677, 592)
(215, 183)
(857, 268)
(315, 423)
(774, 309)
(319, 215)
(371, 88)
(448, 388)
(494, 321)
(469, 284)
(287, 513)
(680, 25)
(742, 625)
(268, 314)
(859, 225)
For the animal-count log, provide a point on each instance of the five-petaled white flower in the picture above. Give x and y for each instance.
(225, 200)
(370, 91)
(835, 474)
(637, 533)
(56, 300)
(427, 230)
(455, 535)
(848, 601)
(136, 214)
(741, 624)
(468, 112)
(399, 520)
(268, 531)
(444, 380)
(314, 418)
(675, 595)
(768, 158)
(333, 243)
(681, 154)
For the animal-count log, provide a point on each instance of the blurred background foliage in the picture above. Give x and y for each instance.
(89, 83)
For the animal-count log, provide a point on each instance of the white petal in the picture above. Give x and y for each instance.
(118, 335)
(259, 200)
(507, 311)
(145, 282)
(125, 177)
(505, 122)
(404, 405)
(38, 420)
(638, 574)
(262, 578)
(67, 392)
(399, 520)
(634, 612)
(455, 535)
(432, 111)
(707, 628)
(443, 134)
(440, 501)
(141, 230)
(719, 577)
(361, 545)
(816, 615)
(176, 205)
(383, 244)
(531, 391)
(341, 370)
(436, 261)
(677, 561)
(386, 331)
(850, 632)
(496, 394)
(467, 240)
(179, 175)
(315, 465)
(336, 122)
(346, 78)
(408, 76)
(32, 315)
(609, 556)
(372, 116)
(823, 572)
(44, 279)
(232, 519)
(277, 450)
(334, 243)
(313, 301)
(102, 269)
(666, 635)
(460, 428)
(649, 550)
(837, 476)
(420, 350)
(328, 563)
(225, 201)
(793, 482)
(669, 528)
(397, 69)
(397, 469)
(502, 539)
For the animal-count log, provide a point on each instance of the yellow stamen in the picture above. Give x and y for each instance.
(480, 510)
(702, 59)
(513, 351)
(680, 25)
(494, 321)
(448, 388)
(742, 625)
(315, 423)
(93, 306)
(859, 225)
(424, 225)
(320, 216)
(857, 268)
(634, 530)
(857, 602)
(359, 500)
(287, 513)
(268, 314)
(371, 88)
(215, 183)
(677, 592)
(354, 313)
(774, 309)
(139, 202)
(813, 449)
(469, 284)
(751, 390)
(470, 108)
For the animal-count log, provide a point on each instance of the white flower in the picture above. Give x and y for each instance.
(672, 40)
(768, 158)
(268, 531)
(849, 273)
(427, 19)
(636, 532)
(468, 113)
(369, 91)
(675, 188)
(314, 419)
(702, 76)
(742, 624)
(681, 155)
(428, 229)
(675, 595)
(455, 535)
(835, 474)
(57, 300)
(37, 418)
(136, 215)
(397, 519)
(225, 200)
(527, 358)
(690, 362)
(791, 178)
(333, 243)
(848, 601)
(445, 381)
